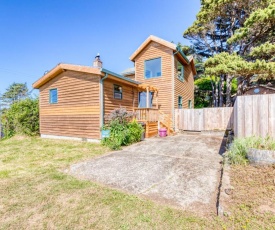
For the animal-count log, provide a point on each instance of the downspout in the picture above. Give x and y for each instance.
(101, 102)
(173, 87)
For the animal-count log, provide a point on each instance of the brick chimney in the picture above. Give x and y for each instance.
(97, 62)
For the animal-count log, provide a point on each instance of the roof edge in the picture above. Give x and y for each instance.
(120, 76)
(147, 41)
(61, 68)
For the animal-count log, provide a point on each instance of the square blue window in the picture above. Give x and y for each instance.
(53, 96)
(152, 68)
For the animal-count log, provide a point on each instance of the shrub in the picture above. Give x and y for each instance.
(135, 131)
(237, 153)
(21, 118)
(123, 131)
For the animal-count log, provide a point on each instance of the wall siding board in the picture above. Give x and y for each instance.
(183, 88)
(163, 83)
(129, 95)
(77, 112)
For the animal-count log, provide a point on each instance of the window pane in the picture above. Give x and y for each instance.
(180, 102)
(143, 99)
(117, 92)
(153, 68)
(190, 104)
(53, 96)
(180, 71)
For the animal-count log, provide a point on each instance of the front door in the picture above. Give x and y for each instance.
(143, 98)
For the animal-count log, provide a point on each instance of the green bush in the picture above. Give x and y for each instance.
(123, 131)
(135, 131)
(21, 118)
(237, 153)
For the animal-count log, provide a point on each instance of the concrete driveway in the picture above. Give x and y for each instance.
(182, 170)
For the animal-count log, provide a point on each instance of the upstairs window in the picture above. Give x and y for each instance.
(118, 92)
(190, 104)
(152, 68)
(53, 96)
(180, 71)
(180, 102)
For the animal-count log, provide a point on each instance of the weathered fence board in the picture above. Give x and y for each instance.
(204, 119)
(254, 115)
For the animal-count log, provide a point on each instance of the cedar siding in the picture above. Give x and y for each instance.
(129, 96)
(77, 112)
(164, 82)
(183, 88)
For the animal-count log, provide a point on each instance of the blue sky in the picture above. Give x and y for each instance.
(37, 35)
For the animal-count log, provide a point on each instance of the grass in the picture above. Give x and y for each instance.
(237, 153)
(35, 193)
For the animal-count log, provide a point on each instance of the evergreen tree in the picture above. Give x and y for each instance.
(15, 92)
(217, 22)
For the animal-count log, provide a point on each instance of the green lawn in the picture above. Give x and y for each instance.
(35, 193)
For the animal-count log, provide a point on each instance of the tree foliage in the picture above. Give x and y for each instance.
(237, 38)
(21, 118)
(226, 63)
(258, 28)
(205, 91)
(257, 38)
(15, 92)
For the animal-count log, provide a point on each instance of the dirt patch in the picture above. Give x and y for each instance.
(252, 201)
(253, 185)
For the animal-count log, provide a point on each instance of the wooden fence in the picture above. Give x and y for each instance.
(254, 116)
(204, 119)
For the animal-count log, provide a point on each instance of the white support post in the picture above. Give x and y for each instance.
(147, 98)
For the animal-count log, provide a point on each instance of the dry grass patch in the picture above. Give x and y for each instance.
(36, 194)
(252, 203)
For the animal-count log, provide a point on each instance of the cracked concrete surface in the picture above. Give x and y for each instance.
(182, 170)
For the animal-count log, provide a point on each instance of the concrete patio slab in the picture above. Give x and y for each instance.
(182, 170)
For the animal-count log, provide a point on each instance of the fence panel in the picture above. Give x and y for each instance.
(254, 115)
(204, 119)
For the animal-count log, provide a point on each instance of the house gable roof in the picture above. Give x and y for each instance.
(78, 68)
(176, 49)
(154, 39)
(260, 86)
(61, 68)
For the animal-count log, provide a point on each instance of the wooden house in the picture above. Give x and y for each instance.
(74, 99)
(260, 89)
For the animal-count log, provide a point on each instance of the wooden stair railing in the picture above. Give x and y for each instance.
(166, 121)
(149, 115)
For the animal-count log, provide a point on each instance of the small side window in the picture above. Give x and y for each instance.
(53, 96)
(190, 104)
(180, 102)
(117, 92)
(180, 72)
